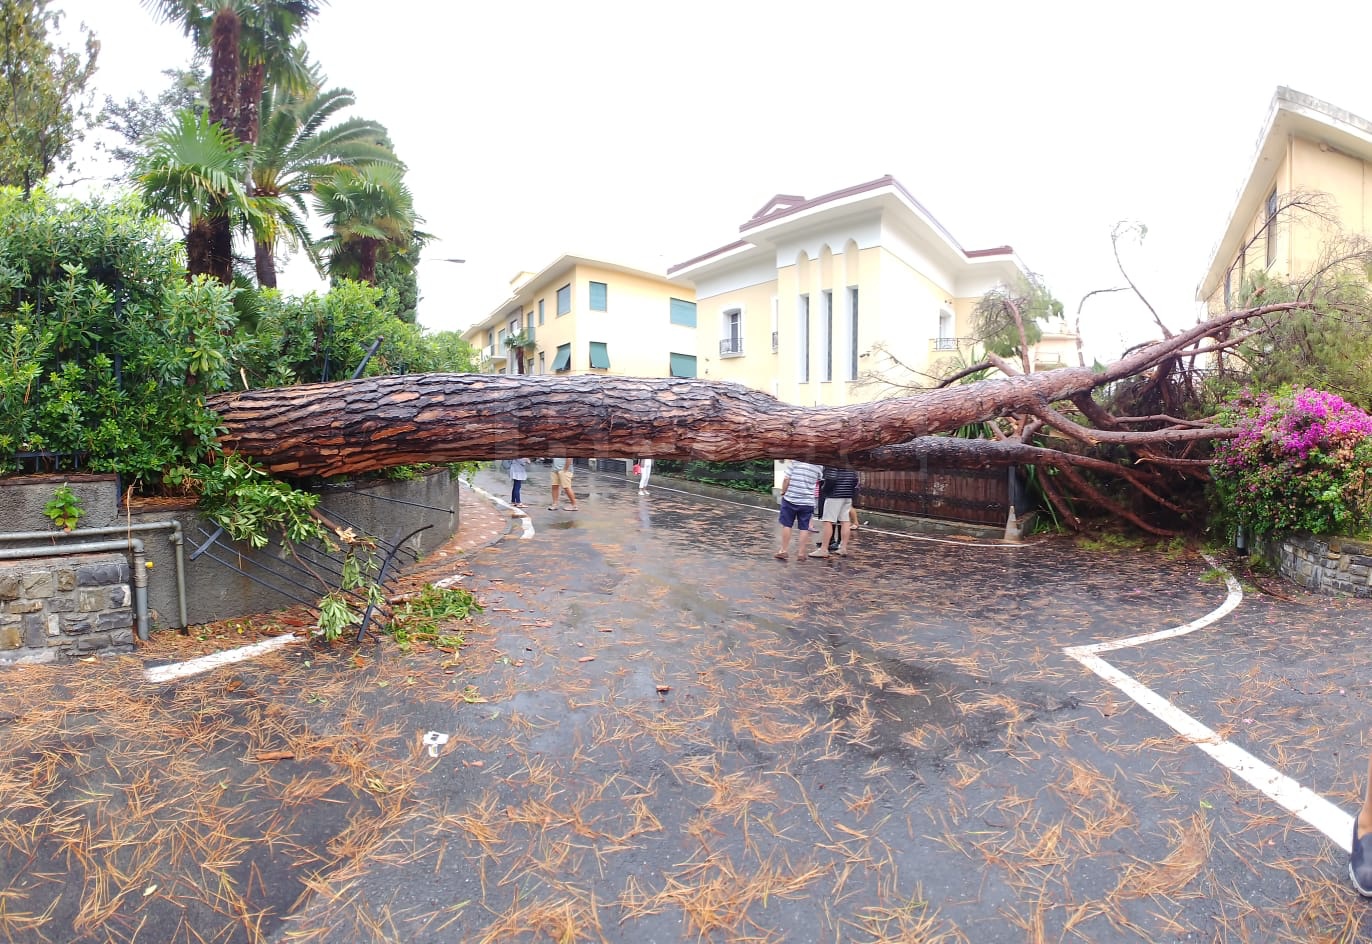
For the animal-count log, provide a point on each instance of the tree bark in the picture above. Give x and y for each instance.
(359, 426)
(264, 261)
(363, 425)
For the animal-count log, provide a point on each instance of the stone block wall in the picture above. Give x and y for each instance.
(1325, 565)
(59, 607)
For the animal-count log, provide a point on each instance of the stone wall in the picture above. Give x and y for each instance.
(214, 589)
(1325, 565)
(58, 607)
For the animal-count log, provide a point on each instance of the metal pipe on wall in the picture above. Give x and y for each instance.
(176, 537)
(139, 576)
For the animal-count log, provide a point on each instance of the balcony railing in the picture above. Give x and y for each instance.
(497, 352)
(731, 347)
(943, 344)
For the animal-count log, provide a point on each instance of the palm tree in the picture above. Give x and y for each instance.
(295, 148)
(195, 168)
(268, 51)
(371, 213)
(246, 40)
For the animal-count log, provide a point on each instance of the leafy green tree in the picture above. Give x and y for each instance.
(453, 354)
(1328, 347)
(44, 108)
(396, 275)
(105, 349)
(297, 146)
(136, 120)
(1008, 320)
(372, 217)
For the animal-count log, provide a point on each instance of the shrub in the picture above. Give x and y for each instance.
(1299, 463)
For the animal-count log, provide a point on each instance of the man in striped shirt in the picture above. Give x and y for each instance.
(797, 503)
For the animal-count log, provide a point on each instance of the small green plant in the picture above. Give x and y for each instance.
(421, 617)
(64, 508)
(1108, 541)
(465, 471)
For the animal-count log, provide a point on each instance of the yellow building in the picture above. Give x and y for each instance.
(1307, 147)
(581, 316)
(845, 297)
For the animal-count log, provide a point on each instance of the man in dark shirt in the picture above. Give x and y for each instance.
(838, 488)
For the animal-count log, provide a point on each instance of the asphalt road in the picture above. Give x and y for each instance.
(657, 732)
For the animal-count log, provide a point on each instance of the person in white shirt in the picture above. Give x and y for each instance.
(797, 503)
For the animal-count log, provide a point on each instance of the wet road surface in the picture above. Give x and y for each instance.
(660, 733)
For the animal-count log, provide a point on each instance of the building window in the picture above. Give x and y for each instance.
(946, 340)
(600, 355)
(731, 345)
(490, 337)
(514, 324)
(683, 313)
(852, 333)
(1272, 227)
(599, 292)
(826, 339)
(682, 365)
(542, 367)
(563, 361)
(803, 339)
(776, 321)
(529, 321)
(540, 311)
(564, 300)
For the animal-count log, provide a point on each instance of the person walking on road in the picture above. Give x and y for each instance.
(645, 471)
(562, 479)
(838, 487)
(797, 504)
(519, 472)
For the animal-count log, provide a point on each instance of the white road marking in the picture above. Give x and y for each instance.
(166, 673)
(863, 529)
(525, 521)
(1303, 802)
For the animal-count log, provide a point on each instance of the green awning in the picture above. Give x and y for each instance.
(564, 357)
(600, 357)
(683, 365)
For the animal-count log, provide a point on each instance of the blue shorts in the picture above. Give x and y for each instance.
(795, 515)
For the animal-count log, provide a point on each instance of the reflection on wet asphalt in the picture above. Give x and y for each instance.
(682, 738)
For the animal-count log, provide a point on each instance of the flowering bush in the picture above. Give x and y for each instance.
(1299, 463)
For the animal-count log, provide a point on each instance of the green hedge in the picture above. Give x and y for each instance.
(755, 475)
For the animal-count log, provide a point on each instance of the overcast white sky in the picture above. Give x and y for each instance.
(646, 132)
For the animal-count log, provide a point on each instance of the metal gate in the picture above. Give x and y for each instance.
(978, 496)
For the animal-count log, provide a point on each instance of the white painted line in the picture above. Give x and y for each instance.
(1231, 602)
(894, 534)
(166, 673)
(525, 521)
(1303, 802)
